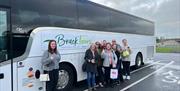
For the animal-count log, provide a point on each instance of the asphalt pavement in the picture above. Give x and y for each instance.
(163, 74)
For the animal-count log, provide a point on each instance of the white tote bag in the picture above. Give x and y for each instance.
(44, 77)
(114, 74)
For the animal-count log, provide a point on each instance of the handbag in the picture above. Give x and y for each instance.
(84, 66)
(44, 77)
(114, 74)
(125, 53)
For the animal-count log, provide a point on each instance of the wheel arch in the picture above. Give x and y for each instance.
(73, 68)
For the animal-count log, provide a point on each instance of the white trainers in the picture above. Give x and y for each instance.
(124, 77)
(101, 85)
(128, 78)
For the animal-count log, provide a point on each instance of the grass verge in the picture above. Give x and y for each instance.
(168, 49)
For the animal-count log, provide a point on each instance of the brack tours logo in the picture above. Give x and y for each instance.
(71, 41)
(60, 39)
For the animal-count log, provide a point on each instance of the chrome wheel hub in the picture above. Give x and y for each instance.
(139, 61)
(63, 79)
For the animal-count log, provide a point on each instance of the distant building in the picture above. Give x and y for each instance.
(169, 42)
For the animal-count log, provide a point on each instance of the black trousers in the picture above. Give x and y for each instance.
(120, 71)
(108, 80)
(53, 75)
(126, 67)
(100, 74)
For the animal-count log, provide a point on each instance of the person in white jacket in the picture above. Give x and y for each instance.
(126, 59)
(110, 61)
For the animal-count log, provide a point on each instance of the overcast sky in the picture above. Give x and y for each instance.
(165, 13)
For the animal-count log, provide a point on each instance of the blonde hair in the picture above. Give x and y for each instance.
(92, 44)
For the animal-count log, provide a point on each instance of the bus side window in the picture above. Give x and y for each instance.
(3, 35)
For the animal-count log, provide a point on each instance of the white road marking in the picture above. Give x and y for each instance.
(179, 82)
(156, 67)
(177, 67)
(170, 77)
(129, 86)
(145, 67)
(137, 69)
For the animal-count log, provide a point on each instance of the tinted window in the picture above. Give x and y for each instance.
(141, 26)
(37, 13)
(92, 16)
(121, 22)
(4, 2)
(71, 14)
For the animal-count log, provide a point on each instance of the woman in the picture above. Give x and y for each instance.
(91, 57)
(100, 64)
(117, 52)
(103, 45)
(110, 61)
(50, 62)
(126, 52)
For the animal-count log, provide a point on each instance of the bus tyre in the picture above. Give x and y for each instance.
(139, 60)
(66, 78)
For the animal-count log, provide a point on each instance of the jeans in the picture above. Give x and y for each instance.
(53, 75)
(126, 68)
(91, 80)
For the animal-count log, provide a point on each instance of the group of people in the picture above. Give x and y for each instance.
(100, 58)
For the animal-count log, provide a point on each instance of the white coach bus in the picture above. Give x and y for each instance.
(26, 26)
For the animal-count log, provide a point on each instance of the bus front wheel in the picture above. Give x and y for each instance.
(66, 78)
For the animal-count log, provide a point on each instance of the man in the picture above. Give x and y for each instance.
(114, 43)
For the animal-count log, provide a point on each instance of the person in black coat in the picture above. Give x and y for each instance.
(91, 57)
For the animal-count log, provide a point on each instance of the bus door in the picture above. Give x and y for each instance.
(5, 67)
